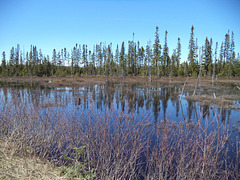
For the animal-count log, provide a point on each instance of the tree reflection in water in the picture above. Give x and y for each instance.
(160, 102)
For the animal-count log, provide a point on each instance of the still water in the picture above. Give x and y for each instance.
(154, 103)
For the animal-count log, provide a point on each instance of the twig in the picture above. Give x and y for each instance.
(214, 95)
(183, 89)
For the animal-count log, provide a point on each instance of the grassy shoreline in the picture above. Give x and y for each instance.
(14, 165)
(91, 80)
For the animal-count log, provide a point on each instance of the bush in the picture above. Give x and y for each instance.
(118, 146)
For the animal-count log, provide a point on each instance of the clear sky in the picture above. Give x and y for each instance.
(50, 24)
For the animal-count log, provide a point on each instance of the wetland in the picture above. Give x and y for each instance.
(125, 129)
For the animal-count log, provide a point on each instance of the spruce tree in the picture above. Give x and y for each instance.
(12, 54)
(221, 60)
(227, 48)
(3, 64)
(122, 60)
(178, 55)
(116, 58)
(141, 61)
(129, 58)
(192, 53)
(84, 58)
(149, 59)
(233, 55)
(207, 57)
(215, 62)
(54, 57)
(156, 53)
(166, 58)
(227, 55)
(108, 61)
(73, 60)
(174, 64)
(99, 58)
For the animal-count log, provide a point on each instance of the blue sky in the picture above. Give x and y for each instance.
(50, 24)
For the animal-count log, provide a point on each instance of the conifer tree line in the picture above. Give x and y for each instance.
(132, 59)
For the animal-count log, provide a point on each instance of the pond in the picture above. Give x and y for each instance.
(154, 103)
(157, 102)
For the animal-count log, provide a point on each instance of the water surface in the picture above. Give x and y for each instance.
(156, 102)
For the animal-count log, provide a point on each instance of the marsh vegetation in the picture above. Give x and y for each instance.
(122, 130)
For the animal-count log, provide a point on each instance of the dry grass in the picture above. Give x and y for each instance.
(79, 81)
(16, 166)
(224, 101)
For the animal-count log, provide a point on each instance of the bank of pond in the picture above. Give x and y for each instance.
(126, 130)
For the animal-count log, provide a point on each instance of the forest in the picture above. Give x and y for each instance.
(208, 60)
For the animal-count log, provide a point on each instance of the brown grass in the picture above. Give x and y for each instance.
(79, 81)
(224, 101)
(16, 166)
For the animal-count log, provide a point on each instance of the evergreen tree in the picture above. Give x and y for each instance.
(99, 58)
(17, 55)
(134, 59)
(149, 59)
(65, 57)
(221, 59)
(12, 57)
(27, 63)
(227, 56)
(131, 58)
(215, 62)
(104, 51)
(156, 53)
(54, 57)
(192, 53)
(90, 66)
(73, 60)
(93, 61)
(135, 65)
(54, 61)
(59, 60)
(122, 60)
(11, 62)
(166, 58)
(116, 58)
(108, 61)
(78, 60)
(207, 57)
(227, 48)
(3, 64)
(138, 63)
(86, 62)
(40, 62)
(178, 55)
(174, 64)
(35, 56)
(233, 54)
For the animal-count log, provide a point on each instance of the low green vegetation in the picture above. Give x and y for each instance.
(77, 168)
